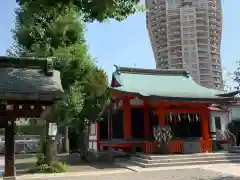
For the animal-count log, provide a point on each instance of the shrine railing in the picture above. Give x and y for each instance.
(150, 147)
(176, 146)
(206, 145)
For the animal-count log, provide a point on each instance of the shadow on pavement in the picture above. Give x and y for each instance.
(75, 164)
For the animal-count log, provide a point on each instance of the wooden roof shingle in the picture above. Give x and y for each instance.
(29, 79)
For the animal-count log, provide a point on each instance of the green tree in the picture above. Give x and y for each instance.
(236, 77)
(91, 10)
(42, 30)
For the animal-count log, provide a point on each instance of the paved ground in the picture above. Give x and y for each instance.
(74, 164)
(23, 164)
(102, 171)
(183, 174)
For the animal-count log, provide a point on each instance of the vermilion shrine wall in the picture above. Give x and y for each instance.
(131, 103)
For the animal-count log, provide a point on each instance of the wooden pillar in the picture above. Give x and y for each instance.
(127, 121)
(161, 116)
(204, 121)
(110, 122)
(147, 132)
(10, 172)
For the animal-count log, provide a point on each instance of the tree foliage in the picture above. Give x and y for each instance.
(236, 76)
(44, 29)
(91, 10)
(55, 28)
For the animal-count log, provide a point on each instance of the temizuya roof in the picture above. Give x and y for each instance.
(29, 79)
(164, 84)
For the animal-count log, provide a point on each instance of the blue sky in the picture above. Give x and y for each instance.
(127, 43)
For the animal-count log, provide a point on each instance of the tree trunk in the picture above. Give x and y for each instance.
(84, 142)
(50, 152)
(66, 141)
(82, 146)
(86, 139)
(51, 142)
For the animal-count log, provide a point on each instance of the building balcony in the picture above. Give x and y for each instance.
(202, 35)
(216, 52)
(203, 54)
(204, 50)
(216, 62)
(217, 70)
(202, 28)
(176, 57)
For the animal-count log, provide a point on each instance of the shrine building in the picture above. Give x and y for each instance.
(144, 98)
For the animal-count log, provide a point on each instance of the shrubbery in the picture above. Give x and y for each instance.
(29, 129)
(55, 167)
(41, 163)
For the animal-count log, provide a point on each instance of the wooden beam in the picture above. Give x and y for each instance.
(183, 110)
(204, 121)
(161, 113)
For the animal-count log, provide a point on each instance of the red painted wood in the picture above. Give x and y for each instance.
(122, 145)
(183, 110)
(109, 123)
(204, 121)
(127, 123)
(161, 116)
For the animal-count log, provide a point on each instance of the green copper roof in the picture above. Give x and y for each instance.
(161, 83)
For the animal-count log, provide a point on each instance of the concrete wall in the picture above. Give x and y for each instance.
(234, 112)
(224, 116)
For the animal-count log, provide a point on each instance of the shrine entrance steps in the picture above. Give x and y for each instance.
(147, 161)
(235, 149)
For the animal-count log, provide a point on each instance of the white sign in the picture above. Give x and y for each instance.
(52, 130)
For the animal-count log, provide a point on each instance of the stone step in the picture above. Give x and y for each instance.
(185, 159)
(234, 151)
(197, 155)
(235, 147)
(187, 163)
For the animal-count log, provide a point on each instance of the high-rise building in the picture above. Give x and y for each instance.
(186, 34)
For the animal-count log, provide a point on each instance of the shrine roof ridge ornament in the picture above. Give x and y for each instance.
(171, 72)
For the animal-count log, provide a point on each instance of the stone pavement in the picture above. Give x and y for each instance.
(183, 174)
(201, 172)
(231, 169)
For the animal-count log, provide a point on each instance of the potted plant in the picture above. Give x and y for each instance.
(162, 137)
